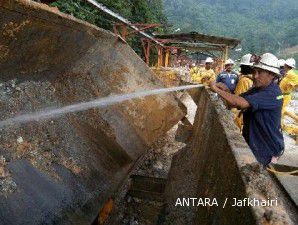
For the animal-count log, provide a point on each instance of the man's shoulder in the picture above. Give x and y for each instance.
(211, 71)
(223, 73)
(291, 75)
(292, 72)
(274, 87)
(234, 73)
(245, 78)
(250, 91)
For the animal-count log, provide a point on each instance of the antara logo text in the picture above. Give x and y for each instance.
(196, 202)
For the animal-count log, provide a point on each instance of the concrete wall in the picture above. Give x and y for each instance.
(62, 170)
(217, 163)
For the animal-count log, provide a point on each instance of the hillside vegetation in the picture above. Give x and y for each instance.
(137, 11)
(262, 25)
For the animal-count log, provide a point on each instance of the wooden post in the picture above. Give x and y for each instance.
(225, 56)
(115, 27)
(226, 53)
(124, 31)
(167, 57)
(146, 48)
(160, 56)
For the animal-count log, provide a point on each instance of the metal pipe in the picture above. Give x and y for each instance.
(123, 20)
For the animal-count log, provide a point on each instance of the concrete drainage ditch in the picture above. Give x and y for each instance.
(215, 165)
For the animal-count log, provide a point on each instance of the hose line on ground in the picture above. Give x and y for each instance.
(272, 170)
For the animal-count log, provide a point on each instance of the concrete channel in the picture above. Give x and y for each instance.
(66, 170)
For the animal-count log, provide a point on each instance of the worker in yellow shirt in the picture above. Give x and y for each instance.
(193, 70)
(206, 74)
(288, 83)
(244, 84)
(245, 80)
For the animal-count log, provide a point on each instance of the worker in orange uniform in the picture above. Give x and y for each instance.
(244, 84)
(289, 82)
(206, 73)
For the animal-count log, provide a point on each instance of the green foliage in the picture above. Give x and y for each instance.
(261, 25)
(84, 11)
(137, 11)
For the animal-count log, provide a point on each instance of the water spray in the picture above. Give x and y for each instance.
(97, 103)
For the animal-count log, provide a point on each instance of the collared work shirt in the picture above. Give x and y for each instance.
(262, 122)
(243, 85)
(289, 82)
(208, 75)
(230, 79)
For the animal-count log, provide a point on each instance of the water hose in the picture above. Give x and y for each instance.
(271, 169)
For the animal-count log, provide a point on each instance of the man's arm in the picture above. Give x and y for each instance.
(232, 100)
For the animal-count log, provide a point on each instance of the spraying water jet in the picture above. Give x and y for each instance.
(100, 102)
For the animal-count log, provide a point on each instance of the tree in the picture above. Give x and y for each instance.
(137, 11)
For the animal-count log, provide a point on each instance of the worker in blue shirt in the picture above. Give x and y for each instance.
(229, 77)
(261, 106)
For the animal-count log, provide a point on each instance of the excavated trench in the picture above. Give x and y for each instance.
(123, 164)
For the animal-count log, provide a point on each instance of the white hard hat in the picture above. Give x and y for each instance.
(209, 60)
(281, 62)
(193, 64)
(268, 62)
(291, 62)
(246, 60)
(229, 61)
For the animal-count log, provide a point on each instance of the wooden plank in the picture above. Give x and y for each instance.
(194, 36)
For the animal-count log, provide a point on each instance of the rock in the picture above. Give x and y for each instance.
(133, 221)
(158, 165)
(3, 171)
(268, 214)
(129, 199)
(7, 186)
(137, 200)
(20, 140)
